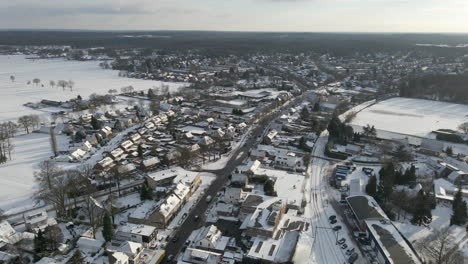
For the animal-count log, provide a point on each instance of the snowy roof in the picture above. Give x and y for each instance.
(89, 243)
(130, 248)
(365, 207)
(144, 230)
(164, 174)
(181, 190)
(432, 145)
(169, 205)
(391, 242)
(6, 231)
(151, 161)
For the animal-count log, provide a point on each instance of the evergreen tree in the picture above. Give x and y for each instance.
(316, 107)
(305, 115)
(107, 229)
(422, 213)
(151, 94)
(39, 242)
(95, 123)
(449, 151)
(145, 193)
(459, 209)
(140, 151)
(77, 258)
(371, 187)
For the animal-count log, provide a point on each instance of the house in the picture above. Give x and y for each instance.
(289, 161)
(166, 211)
(458, 178)
(105, 164)
(389, 244)
(150, 163)
(199, 256)
(126, 169)
(118, 258)
(232, 195)
(268, 139)
(89, 244)
(266, 217)
(364, 207)
(161, 178)
(144, 234)
(431, 147)
(126, 145)
(35, 221)
(133, 250)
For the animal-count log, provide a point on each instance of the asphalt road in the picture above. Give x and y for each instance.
(184, 231)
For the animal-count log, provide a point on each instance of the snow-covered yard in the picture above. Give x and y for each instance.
(88, 78)
(17, 176)
(412, 116)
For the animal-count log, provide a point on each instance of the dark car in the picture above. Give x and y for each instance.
(332, 217)
(341, 241)
(175, 239)
(353, 258)
(333, 221)
(350, 251)
(336, 228)
(344, 246)
(170, 258)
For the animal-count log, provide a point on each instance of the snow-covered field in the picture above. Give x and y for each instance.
(17, 176)
(412, 116)
(88, 78)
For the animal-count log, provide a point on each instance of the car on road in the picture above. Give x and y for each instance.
(170, 258)
(349, 251)
(341, 241)
(175, 239)
(336, 228)
(208, 198)
(196, 218)
(353, 258)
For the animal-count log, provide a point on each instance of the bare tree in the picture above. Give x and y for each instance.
(26, 122)
(439, 249)
(94, 210)
(12, 78)
(112, 91)
(463, 127)
(53, 141)
(63, 84)
(52, 83)
(36, 81)
(53, 184)
(71, 84)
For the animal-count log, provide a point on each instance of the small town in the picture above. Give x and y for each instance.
(132, 148)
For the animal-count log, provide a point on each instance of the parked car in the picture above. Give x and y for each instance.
(353, 258)
(349, 251)
(208, 198)
(332, 217)
(333, 221)
(344, 246)
(341, 241)
(336, 228)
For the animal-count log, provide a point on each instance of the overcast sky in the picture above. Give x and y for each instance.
(239, 15)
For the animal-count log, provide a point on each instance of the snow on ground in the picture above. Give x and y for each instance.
(88, 78)
(206, 179)
(17, 176)
(412, 116)
(440, 220)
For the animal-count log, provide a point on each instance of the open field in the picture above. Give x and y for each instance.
(88, 78)
(412, 116)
